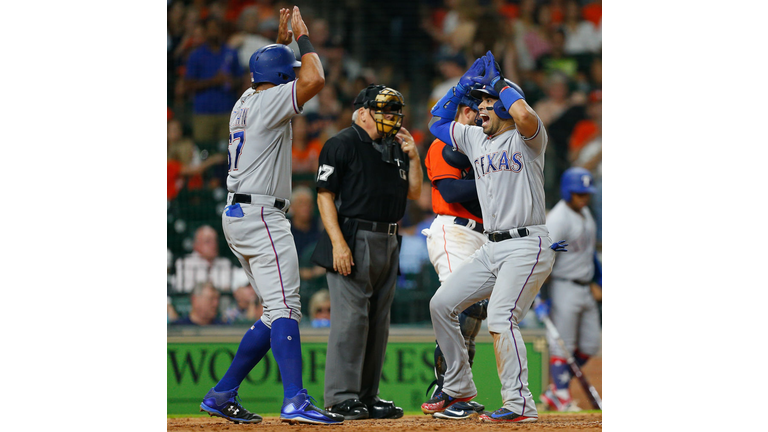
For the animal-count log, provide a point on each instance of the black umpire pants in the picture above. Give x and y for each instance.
(360, 313)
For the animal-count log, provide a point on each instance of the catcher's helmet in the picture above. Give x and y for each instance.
(383, 101)
(498, 107)
(273, 64)
(576, 180)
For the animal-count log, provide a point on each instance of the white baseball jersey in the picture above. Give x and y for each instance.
(259, 158)
(509, 175)
(578, 230)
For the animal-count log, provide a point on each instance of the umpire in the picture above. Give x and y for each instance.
(365, 174)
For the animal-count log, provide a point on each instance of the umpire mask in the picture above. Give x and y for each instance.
(387, 111)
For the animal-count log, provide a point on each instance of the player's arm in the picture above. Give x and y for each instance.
(311, 77)
(342, 255)
(456, 191)
(415, 174)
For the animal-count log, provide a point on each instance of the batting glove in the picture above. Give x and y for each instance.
(477, 69)
(559, 246)
(491, 71)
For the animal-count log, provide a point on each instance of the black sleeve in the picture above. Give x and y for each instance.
(332, 164)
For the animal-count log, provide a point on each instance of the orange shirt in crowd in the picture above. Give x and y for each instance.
(174, 172)
(582, 133)
(593, 13)
(305, 160)
(437, 169)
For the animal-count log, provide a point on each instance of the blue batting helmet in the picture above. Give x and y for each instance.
(576, 180)
(498, 107)
(273, 64)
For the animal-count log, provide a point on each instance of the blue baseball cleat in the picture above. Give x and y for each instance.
(299, 409)
(504, 415)
(225, 405)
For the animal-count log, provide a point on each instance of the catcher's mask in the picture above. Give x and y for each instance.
(386, 107)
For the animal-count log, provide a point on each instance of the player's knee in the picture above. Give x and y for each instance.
(438, 304)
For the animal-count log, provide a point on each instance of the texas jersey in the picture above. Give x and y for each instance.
(259, 152)
(578, 230)
(509, 174)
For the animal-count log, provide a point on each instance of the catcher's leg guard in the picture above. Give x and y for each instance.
(470, 322)
(440, 368)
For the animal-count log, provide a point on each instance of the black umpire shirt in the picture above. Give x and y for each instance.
(365, 186)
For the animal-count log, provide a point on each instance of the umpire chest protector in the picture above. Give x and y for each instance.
(370, 179)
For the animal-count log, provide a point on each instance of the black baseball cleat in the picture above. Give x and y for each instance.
(382, 409)
(226, 405)
(351, 409)
(479, 408)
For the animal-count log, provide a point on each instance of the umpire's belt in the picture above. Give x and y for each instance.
(382, 227)
(469, 223)
(498, 236)
(264, 200)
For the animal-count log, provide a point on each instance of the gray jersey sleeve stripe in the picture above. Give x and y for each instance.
(538, 128)
(293, 97)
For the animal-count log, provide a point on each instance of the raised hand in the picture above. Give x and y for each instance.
(490, 69)
(284, 36)
(475, 71)
(299, 28)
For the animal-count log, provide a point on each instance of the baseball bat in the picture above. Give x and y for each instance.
(592, 395)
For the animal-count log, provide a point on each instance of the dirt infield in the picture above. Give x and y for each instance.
(547, 422)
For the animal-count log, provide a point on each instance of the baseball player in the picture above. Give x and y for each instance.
(255, 225)
(455, 233)
(507, 154)
(573, 309)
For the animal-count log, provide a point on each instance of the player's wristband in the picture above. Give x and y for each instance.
(305, 46)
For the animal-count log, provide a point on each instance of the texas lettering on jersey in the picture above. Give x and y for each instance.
(498, 161)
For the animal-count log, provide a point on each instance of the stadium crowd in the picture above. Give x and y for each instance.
(552, 49)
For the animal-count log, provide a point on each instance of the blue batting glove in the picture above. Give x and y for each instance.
(490, 70)
(559, 246)
(542, 309)
(477, 69)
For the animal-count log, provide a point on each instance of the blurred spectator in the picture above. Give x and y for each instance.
(248, 40)
(305, 226)
(556, 60)
(215, 79)
(320, 309)
(204, 264)
(413, 247)
(247, 307)
(451, 68)
(305, 151)
(580, 36)
(173, 316)
(590, 156)
(205, 306)
(323, 119)
(557, 100)
(587, 129)
(457, 30)
(531, 36)
(593, 12)
(185, 166)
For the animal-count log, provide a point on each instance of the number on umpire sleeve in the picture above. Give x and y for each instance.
(324, 172)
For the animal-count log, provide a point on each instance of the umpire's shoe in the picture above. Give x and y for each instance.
(382, 409)
(225, 405)
(351, 409)
(299, 409)
(441, 401)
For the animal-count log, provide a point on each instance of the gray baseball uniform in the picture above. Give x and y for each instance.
(510, 188)
(574, 310)
(259, 163)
